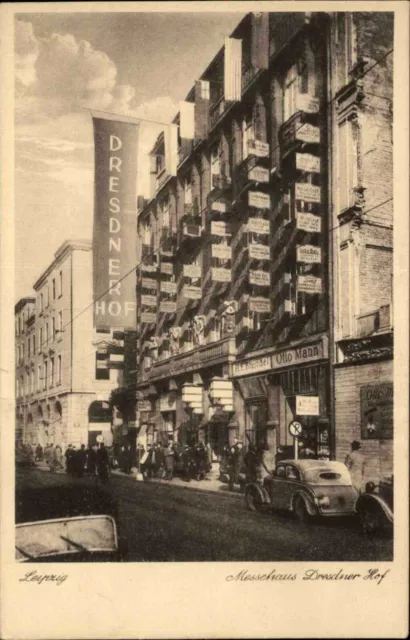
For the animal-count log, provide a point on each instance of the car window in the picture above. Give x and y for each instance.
(280, 472)
(292, 473)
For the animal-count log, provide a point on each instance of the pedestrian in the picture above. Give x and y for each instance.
(92, 460)
(127, 459)
(186, 463)
(250, 463)
(69, 459)
(58, 457)
(201, 461)
(265, 462)
(81, 461)
(103, 463)
(39, 453)
(145, 462)
(208, 449)
(356, 462)
(169, 456)
(235, 463)
(160, 461)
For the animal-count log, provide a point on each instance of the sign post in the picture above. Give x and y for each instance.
(295, 429)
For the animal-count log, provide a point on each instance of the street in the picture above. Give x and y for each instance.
(169, 523)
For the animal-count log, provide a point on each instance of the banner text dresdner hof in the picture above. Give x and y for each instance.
(114, 234)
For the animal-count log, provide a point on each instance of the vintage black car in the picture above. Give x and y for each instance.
(305, 487)
(375, 507)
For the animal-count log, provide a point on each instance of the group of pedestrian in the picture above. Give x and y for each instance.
(93, 461)
(241, 467)
(189, 461)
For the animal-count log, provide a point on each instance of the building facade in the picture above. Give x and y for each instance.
(65, 370)
(265, 265)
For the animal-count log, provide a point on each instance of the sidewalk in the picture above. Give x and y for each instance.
(213, 485)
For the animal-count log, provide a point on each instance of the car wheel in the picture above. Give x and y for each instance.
(370, 520)
(301, 511)
(252, 499)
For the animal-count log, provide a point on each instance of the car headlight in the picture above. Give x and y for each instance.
(323, 501)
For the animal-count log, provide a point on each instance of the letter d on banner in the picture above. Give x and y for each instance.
(114, 231)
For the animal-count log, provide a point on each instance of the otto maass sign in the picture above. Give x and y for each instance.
(114, 234)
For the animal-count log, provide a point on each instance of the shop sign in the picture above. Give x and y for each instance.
(299, 355)
(307, 103)
(260, 305)
(376, 411)
(259, 278)
(308, 222)
(221, 229)
(144, 405)
(259, 174)
(168, 307)
(149, 283)
(167, 402)
(254, 365)
(309, 284)
(259, 252)
(307, 162)
(259, 225)
(148, 268)
(148, 318)
(307, 405)
(149, 301)
(307, 192)
(258, 148)
(308, 133)
(219, 206)
(192, 271)
(221, 251)
(258, 199)
(169, 287)
(308, 254)
(221, 275)
(193, 293)
(167, 268)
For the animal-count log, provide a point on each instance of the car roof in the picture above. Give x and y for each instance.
(309, 463)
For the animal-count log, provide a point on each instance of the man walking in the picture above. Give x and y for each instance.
(355, 462)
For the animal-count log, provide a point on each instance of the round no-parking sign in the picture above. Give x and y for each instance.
(295, 429)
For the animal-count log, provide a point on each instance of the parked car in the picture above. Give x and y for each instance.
(375, 507)
(68, 522)
(305, 487)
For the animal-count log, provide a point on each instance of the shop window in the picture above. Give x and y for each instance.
(102, 371)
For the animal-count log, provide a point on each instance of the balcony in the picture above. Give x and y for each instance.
(197, 358)
(216, 111)
(249, 73)
(286, 30)
(296, 132)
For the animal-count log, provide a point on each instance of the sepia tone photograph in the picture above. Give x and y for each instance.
(204, 267)
(204, 336)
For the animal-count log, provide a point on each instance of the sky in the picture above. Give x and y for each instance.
(139, 64)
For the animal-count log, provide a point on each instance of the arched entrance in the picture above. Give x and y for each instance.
(99, 422)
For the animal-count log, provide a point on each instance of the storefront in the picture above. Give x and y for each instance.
(281, 386)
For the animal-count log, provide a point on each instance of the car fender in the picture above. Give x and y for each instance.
(371, 499)
(263, 494)
(308, 500)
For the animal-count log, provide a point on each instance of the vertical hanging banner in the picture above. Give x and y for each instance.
(260, 40)
(171, 149)
(187, 120)
(114, 229)
(202, 99)
(233, 69)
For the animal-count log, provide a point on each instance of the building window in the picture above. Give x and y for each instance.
(248, 134)
(102, 371)
(46, 297)
(290, 91)
(41, 302)
(40, 339)
(164, 213)
(216, 153)
(347, 160)
(22, 353)
(34, 343)
(32, 381)
(53, 328)
(28, 346)
(215, 329)
(18, 354)
(60, 323)
(58, 369)
(188, 189)
(45, 374)
(351, 42)
(39, 377)
(54, 288)
(146, 233)
(46, 334)
(51, 372)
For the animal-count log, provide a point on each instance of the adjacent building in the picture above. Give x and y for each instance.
(65, 370)
(264, 283)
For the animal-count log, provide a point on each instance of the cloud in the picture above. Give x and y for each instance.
(58, 74)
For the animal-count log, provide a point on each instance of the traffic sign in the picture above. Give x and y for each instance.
(100, 438)
(295, 429)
